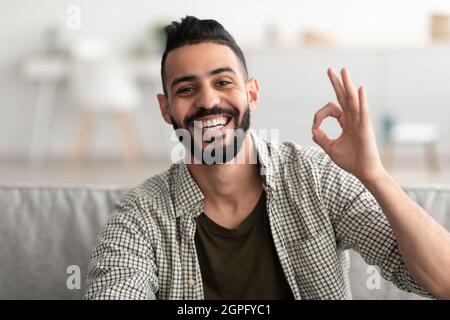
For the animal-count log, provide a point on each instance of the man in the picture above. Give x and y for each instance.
(221, 226)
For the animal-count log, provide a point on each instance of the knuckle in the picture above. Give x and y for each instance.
(349, 98)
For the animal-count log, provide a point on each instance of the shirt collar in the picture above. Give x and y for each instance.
(188, 194)
(267, 156)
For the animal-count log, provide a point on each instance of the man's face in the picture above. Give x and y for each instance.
(207, 92)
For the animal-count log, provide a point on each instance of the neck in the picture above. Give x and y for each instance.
(229, 182)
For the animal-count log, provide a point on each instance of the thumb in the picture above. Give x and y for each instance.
(320, 137)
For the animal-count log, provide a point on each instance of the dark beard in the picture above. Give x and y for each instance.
(229, 151)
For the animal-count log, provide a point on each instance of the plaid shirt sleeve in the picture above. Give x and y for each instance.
(360, 224)
(122, 265)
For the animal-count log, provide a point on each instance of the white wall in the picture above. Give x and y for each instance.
(371, 23)
(410, 85)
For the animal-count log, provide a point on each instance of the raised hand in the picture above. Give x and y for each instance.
(355, 150)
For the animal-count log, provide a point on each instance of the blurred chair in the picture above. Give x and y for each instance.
(99, 85)
(407, 133)
(48, 73)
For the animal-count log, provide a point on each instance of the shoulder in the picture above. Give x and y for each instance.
(152, 195)
(309, 164)
(309, 156)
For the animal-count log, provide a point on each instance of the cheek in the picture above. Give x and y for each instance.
(241, 105)
(178, 111)
(236, 100)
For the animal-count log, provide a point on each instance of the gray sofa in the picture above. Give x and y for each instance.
(47, 234)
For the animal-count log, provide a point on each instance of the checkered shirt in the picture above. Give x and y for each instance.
(316, 210)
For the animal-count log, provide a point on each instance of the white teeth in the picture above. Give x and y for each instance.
(214, 128)
(216, 122)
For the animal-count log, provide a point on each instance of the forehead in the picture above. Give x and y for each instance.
(199, 59)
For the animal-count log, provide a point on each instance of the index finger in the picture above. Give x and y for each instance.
(338, 88)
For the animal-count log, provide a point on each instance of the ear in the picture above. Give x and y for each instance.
(164, 107)
(252, 93)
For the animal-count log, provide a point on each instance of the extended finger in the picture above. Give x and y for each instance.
(363, 105)
(337, 85)
(350, 91)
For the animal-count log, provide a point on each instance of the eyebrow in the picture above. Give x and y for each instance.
(193, 78)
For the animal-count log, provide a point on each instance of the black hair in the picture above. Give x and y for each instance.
(192, 30)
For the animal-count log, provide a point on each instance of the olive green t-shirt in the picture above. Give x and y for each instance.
(240, 263)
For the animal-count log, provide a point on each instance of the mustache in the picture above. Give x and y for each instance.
(216, 110)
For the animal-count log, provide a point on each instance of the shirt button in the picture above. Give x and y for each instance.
(179, 212)
(191, 282)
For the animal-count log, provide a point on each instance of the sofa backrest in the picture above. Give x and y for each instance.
(47, 234)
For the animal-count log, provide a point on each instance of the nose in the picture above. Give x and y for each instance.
(207, 98)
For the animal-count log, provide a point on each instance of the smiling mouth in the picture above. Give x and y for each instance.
(208, 124)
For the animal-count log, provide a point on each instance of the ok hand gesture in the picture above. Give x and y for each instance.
(355, 150)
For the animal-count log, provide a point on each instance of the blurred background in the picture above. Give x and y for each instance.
(78, 81)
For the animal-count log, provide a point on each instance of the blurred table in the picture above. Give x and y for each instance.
(425, 135)
(49, 72)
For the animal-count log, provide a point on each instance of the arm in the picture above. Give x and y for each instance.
(122, 265)
(423, 244)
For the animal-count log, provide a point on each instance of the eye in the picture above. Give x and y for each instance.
(185, 90)
(223, 83)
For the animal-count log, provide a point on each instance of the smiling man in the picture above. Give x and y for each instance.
(222, 119)
(253, 219)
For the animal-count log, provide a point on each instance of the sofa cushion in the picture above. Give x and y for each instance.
(47, 234)
(43, 231)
